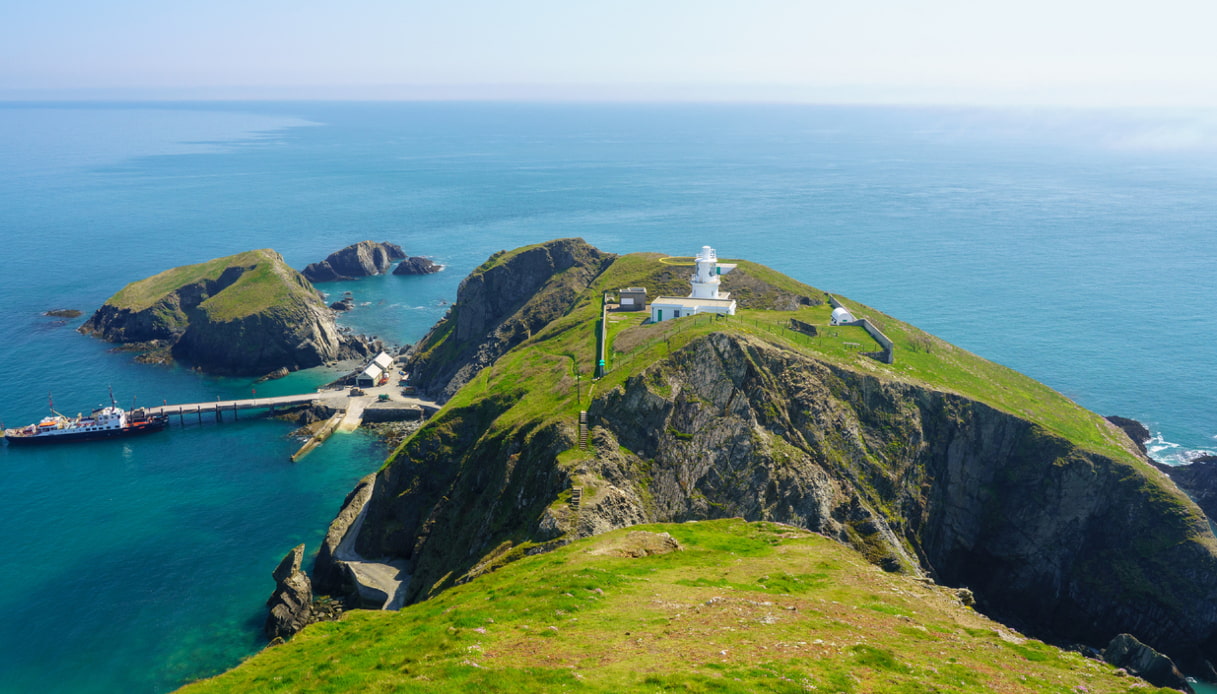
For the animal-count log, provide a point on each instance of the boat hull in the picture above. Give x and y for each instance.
(146, 427)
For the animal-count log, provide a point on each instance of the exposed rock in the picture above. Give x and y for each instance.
(1135, 430)
(417, 265)
(1199, 480)
(291, 603)
(329, 576)
(1125, 651)
(498, 306)
(246, 314)
(62, 313)
(278, 373)
(361, 259)
(304, 415)
(346, 304)
(639, 543)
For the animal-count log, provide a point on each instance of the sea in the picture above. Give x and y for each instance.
(1077, 246)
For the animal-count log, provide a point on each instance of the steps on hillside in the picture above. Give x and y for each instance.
(583, 430)
(576, 497)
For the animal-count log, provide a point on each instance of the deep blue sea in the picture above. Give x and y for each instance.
(1075, 246)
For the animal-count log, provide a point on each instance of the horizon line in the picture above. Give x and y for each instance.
(775, 94)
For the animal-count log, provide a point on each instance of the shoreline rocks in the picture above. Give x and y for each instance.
(1135, 430)
(1127, 652)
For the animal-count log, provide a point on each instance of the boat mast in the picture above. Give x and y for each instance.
(50, 401)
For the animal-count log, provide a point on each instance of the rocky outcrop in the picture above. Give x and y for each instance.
(1135, 430)
(291, 603)
(362, 259)
(498, 306)
(1125, 651)
(345, 304)
(1199, 480)
(62, 313)
(247, 314)
(417, 265)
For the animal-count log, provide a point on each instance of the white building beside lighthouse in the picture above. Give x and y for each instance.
(705, 296)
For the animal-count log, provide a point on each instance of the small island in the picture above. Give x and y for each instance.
(246, 314)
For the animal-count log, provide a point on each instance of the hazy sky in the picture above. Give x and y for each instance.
(973, 51)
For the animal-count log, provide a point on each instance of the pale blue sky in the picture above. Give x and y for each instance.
(961, 51)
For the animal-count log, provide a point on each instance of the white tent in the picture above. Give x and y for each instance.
(841, 316)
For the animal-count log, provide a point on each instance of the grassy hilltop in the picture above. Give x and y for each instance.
(266, 283)
(741, 607)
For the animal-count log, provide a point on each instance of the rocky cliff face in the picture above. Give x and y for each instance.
(1060, 541)
(361, 259)
(498, 306)
(1199, 480)
(248, 314)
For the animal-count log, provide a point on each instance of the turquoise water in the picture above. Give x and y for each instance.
(1076, 247)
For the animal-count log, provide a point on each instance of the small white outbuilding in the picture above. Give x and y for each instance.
(842, 316)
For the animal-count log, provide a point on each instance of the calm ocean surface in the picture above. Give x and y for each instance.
(1077, 247)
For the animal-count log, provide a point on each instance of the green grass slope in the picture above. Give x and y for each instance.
(266, 281)
(550, 375)
(741, 607)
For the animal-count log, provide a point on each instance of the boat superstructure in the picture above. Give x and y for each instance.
(105, 422)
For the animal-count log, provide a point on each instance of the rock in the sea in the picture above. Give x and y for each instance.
(417, 265)
(361, 259)
(246, 314)
(62, 313)
(346, 304)
(281, 372)
(1127, 652)
(291, 603)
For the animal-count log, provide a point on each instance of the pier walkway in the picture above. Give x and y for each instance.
(339, 399)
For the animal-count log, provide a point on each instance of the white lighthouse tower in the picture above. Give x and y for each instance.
(705, 281)
(706, 298)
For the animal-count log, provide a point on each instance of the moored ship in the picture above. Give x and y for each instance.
(102, 423)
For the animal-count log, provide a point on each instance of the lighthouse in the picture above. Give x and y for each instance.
(705, 281)
(705, 298)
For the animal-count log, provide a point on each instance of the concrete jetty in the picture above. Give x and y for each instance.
(340, 399)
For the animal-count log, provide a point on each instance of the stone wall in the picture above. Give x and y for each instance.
(386, 412)
(887, 356)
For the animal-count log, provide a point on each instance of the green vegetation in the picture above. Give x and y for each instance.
(741, 607)
(264, 281)
(554, 367)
